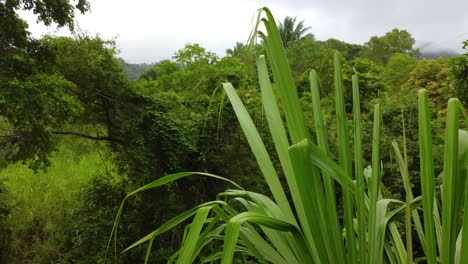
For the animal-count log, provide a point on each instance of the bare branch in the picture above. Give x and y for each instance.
(105, 138)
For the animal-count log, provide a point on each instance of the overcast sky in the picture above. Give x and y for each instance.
(152, 30)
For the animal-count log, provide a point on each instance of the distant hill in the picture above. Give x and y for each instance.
(434, 54)
(133, 71)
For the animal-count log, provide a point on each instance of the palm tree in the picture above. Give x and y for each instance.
(239, 50)
(289, 31)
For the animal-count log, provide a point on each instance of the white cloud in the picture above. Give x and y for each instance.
(149, 31)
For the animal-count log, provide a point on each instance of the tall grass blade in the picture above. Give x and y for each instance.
(344, 150)
(256, 243)
(262, 204)
(463, 157)
(403, 167)
(397, 251)
(283, 78)
(258, 149)
(374, 253)
(314, 197)
(173, 222)
(159, 182)
(381, 220)
(190, 242)
(427, 174)
(234, 226)
(322, 141)
(220, 111)
(280, 138)
(297, 132)
(265, 249)
(397, 242)
(449, 180)
(408, 194)
(358, 171)
(210, 233)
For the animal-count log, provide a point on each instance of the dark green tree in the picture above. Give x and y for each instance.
(134, 70)
(305, 54)
(349, 51)
(370, 83)
(34, 96)
(459, 73)
(14, 36)
(193, 54)
(397, 70)
(160, 70)
(380, 49)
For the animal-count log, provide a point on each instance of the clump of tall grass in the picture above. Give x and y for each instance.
(42, 202)
(310, 231)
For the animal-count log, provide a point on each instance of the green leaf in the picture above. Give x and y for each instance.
(375, 181)
(449, 180)
(344, 151)
(427, 174)
(358, 171)
(157, 183)
(190, 241)
(258, 149)
(322, 142)
(234, 226)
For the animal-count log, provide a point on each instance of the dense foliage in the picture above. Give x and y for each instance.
(171, 116)
(300, 222)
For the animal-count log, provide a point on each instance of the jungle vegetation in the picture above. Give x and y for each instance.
(375, 125)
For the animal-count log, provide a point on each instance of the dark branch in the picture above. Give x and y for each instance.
(8, 136)
(106, 138)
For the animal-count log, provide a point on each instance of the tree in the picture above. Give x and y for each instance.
(349, 51)
(434, 76)
(66, 81)
(34, 95)
(160, 70)
(304, 54)
(459, 73)
(397, 70)
(380, 49)
(13, 29)
(134, 70)
(239, 50)
(370, 83)
(289, 31)
(245, 54)
(193, 54)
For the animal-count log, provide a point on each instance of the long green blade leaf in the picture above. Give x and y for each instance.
(427, 174)
(450, 174)
(258, 149)
(191, 240)
(344, 151)
(358, 171)
(374, 253)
